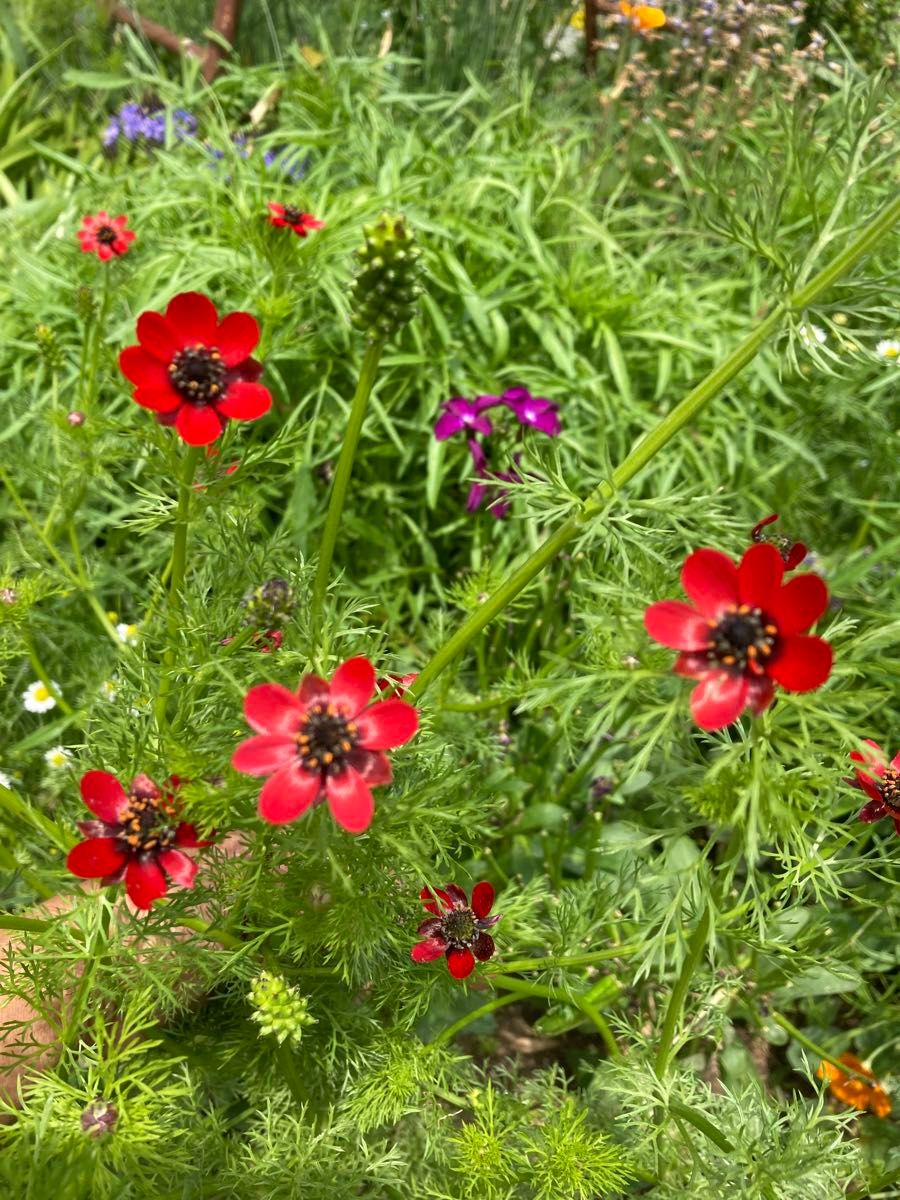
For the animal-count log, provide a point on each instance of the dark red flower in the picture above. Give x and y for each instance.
(881, 782)
(741, 638)
(265, 640)
(285, 216)
(458, 928)
(195, 371)
(792, 552)
(396, 684)
(323, 741)
(105, 236)
(135, 838)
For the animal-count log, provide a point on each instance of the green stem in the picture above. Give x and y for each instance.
(41, 671)
(100, 613)
(448, 1034)
(696, 947)
(521, 988)
(700, 1122)
(795, 1033)
(342, 475)
(582, 960)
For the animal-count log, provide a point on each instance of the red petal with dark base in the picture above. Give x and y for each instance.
(482, 899)
(142, 369)
(95, 857)
(795, 556)
(186, 835)
(875, 762)
(271, 708)
(288, 794)
(313, 690)
(237, 337)
(760, 694)
(198, 426)
(429, 950)
(691, 664)
(178, 867)
(483, 946)
(350, 800)
(461, 963)
(372, 765)
(352, 686)
(264, 755)
(246, 401)
(676, 625)
(144, 882)
(798, 604)
(431, 904)
(759, 576)
(873, 811)
(104, 795)
(386, 724)
(719, 699)
(802, 663)
(429, 927)
(869, 786)
(710, 578)
(157, 337)
(457, 895)
(193, 319)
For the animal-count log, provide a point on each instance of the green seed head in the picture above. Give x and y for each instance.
(388, 277)
(280, 1009)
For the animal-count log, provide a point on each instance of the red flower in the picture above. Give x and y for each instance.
(323, 739)
(397, 685)
(742, 635)
(285, 216)
(458, 932)
(881, 782)
(105, 236)
(134, 838)
(792, 552)
(195, 371)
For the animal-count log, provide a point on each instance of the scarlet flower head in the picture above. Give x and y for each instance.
(105, 236)
(324, 741)
(135, 838)
(880, 780)
(643, 17)
(853, 1091)
(286, 216)
(195, 371)
(458, 929)
(741, 637)
(792, 552)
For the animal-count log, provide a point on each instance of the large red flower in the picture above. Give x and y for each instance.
(195, 371)
(286, 216)
(458, 929)
(323, 741)
(741, 637)
(135, 838)
(105, 236)
(881, 782)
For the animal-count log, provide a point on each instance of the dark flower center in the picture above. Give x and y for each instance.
(325, 739)
(150, 821)
(741, 640)
(459, 926)
(106, 234)
(292, 215)
(889, 786)
(198, 373)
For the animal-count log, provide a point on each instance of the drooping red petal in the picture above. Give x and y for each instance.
(760, 574)
(676, 625)
(237, 337)
(869, 786)
(186, 835)
(386, 724)
(104, 795)
(271, 708)
(873, 811)
(461, 963)
(178, 867)
(457, 895)
(801, 664)
(142, 369)
(798, 604)
(352, 686)
(372, 765)
(429, 950)
(264, 755)
(144, 881)
(760, 693)
(719, 699)
(246, 401)
(288, 794)
(157, 337)
(350, 800)
(710, 578)
(795, 556)
(482, 899)
(193, 317)
(431, 904)
(198, 426)
(483, 946)
(95, 857)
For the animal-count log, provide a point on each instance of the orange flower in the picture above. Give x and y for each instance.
(643, 16)
(853, 1091)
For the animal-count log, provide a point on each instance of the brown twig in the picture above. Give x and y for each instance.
(590, 36)
(226, 18)
(156, 33)
(225, 21)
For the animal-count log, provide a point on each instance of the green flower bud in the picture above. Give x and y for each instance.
(49, 347)
(388, 278)
(85, 304)
(280, 1009)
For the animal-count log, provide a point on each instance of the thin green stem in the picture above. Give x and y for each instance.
(813, 1048)
(448, 1034)
(92, 600)
(342, 475)
(522, 988)
(702, 1123)
(696, 947)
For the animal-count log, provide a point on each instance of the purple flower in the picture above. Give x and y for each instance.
(111, 134)
(499, 503)
(292, 163)
(460, 414)
(536, 411)
(132, 118)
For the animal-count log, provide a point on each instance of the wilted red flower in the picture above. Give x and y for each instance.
(285, 216)
(105, 236)
(195, 371)
(881, 782)
(396, 684)
(458, 929)
(135, 838)
(792, 552)
(323, 741)
(853, 1091)
(265, 640)
(742, 636)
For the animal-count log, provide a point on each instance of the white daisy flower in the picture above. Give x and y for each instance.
(5, 780)
(565, 41)
(889, 348)
(108, 690)
(37, 698)
(810, 335)
(58, 757)
(127, 633)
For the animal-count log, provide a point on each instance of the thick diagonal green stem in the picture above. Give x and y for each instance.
(668, 427)
(696, 946)
(342, 474)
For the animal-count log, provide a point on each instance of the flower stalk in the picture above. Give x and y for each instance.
(696, 947)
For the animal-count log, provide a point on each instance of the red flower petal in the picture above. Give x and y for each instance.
(386, 724)
(264, 755)
(429, 950)
(104, 795)
(144, 881)
(676, 625)
(246, 401)
(288, 794)
(95, 857)
(869, 786)
(432, 905)
(198, 426)
(798, 604)
(276, 209)
(760, 693)
(178, 867)
(350, 800)
(802, 663)
(457, 895)
(759, 575)
(372, 765)
(313, 690)
(874, 761)
(719, 699)
(194, 318)
(710, 579)
(142, 368)
(157, 337)
(429, 926)
(237, 337)
(873, 811)
(271, 708)
(352, 686)
(895, 761)
(795, 556)
(157, 399)
(483, 946)
(482, 899)
(186, 835)
(461, 963)
(691, 664)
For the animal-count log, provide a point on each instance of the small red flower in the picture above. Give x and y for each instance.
(881, 782)
(323, 738)
(397, 685)
(285, 216)
(792, 552)
(458, 929)
(135, 838)
(265, 640)
(195, 371)
(105, 236)
(741, 638)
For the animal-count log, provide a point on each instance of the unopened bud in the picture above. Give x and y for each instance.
(99, 1118)
(75, 418)
(388, 278)
(85, 304)
(8, 595)
(49, 347)
(280, 1009)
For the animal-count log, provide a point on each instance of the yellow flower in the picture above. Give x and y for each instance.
(643, 16)
(577, 19)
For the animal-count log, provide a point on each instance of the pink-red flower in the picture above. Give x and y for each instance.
(135, 837)
(792, 552)
(458, 929)
(195, 371)
(324, 741)
(286, 216)
(880, 780)
(742, 635)
(105, 236)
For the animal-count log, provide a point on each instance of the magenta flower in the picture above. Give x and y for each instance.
(457, 929)
(460, 414)
(537, 411)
